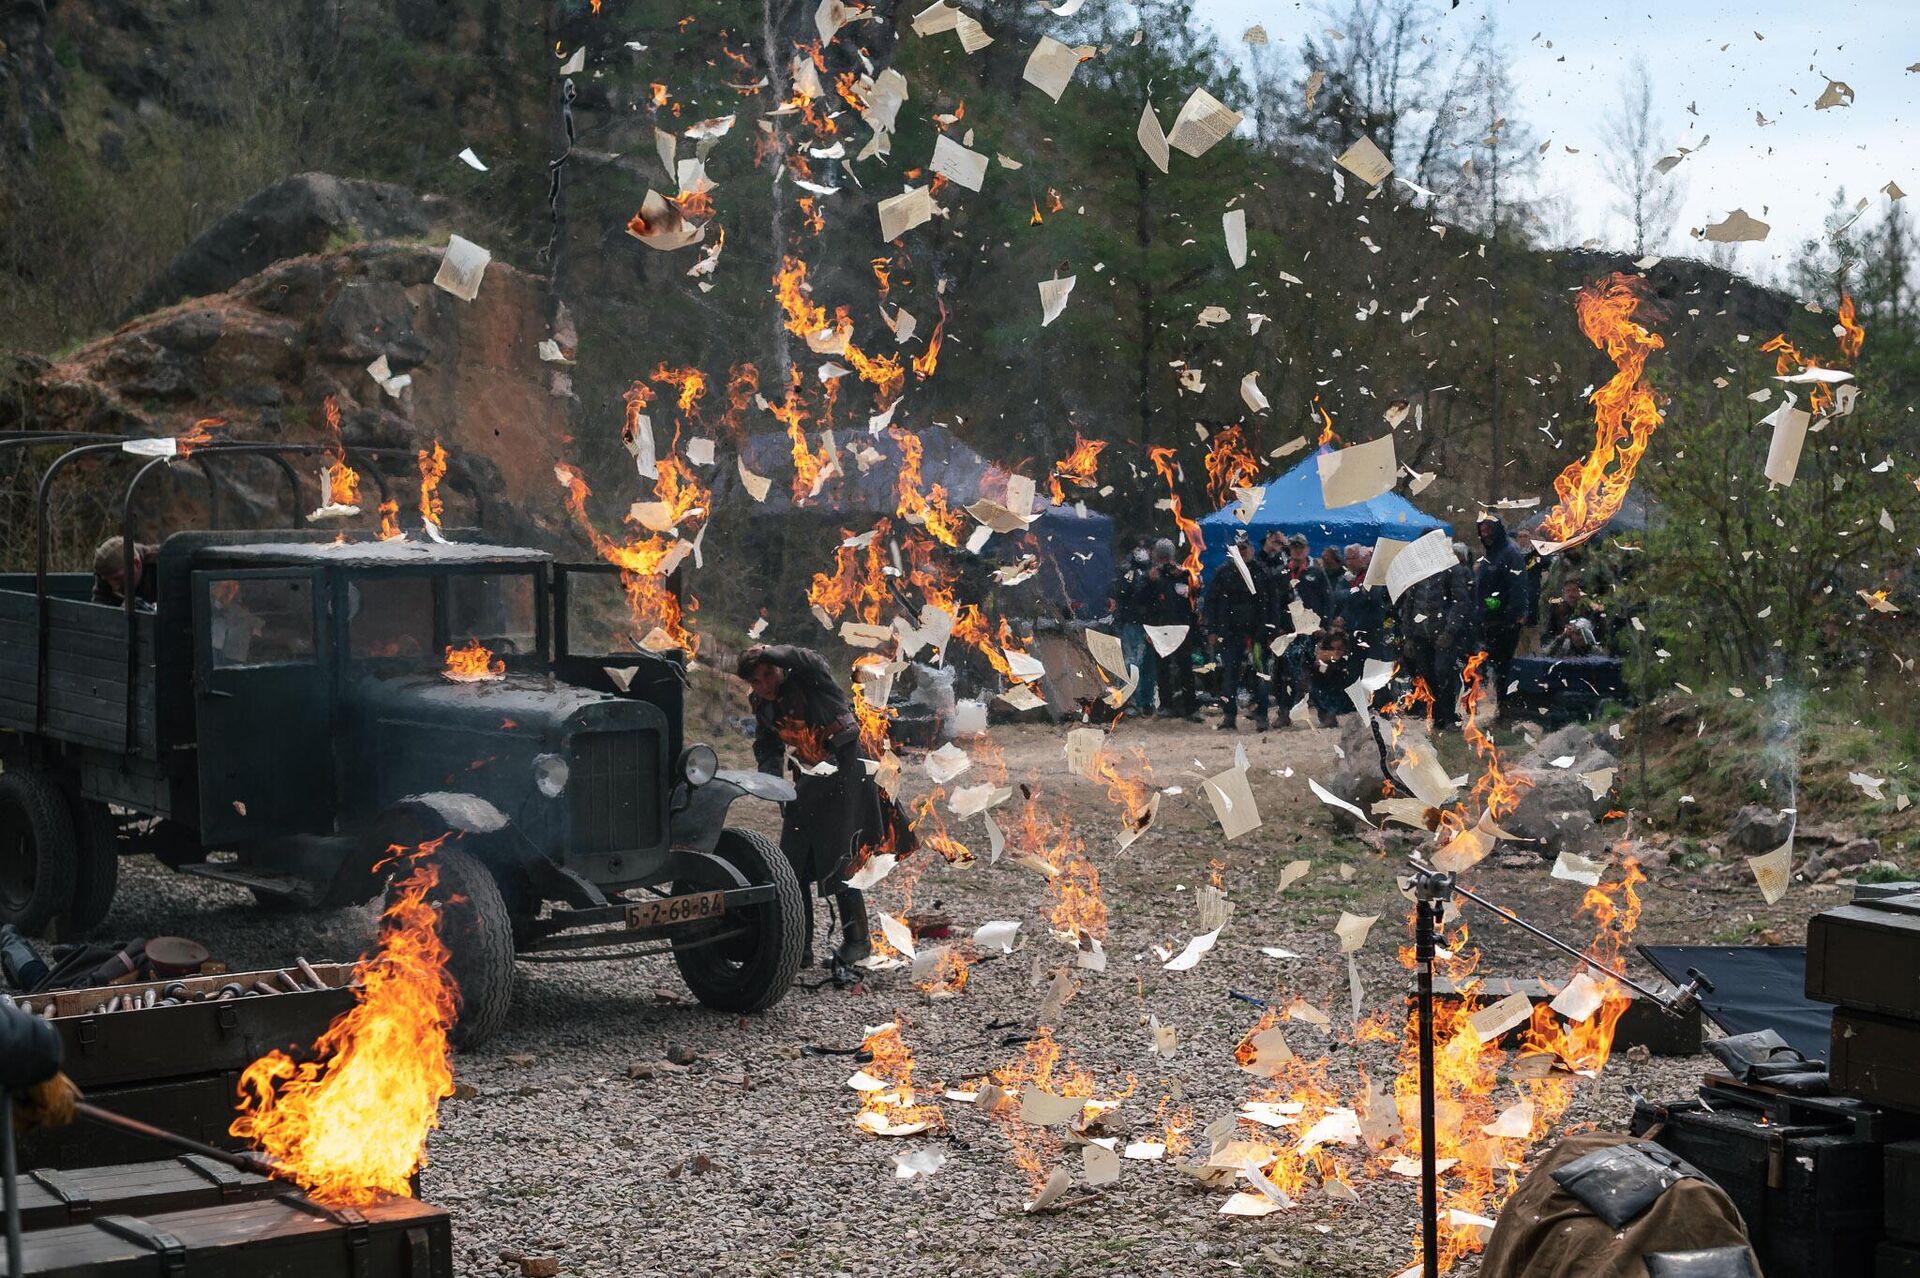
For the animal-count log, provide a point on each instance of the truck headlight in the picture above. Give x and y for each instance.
(699, 764)
(550, 773)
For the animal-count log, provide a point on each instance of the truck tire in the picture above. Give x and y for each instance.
(96, 866)
(753, 972)
(37, 851)
(479, 940)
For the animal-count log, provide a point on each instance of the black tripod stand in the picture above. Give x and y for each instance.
(1431, 890)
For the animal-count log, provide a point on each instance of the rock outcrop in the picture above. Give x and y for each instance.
(265, 354)
(1559, 807)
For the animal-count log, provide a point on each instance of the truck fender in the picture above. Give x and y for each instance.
(490, 835)
(467, 813)
(700, 814)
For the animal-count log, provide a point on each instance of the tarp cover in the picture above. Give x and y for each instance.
(1755, 987)
(1292, 504)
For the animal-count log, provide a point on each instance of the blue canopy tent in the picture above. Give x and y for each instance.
(1292, 504)
(1075, 548)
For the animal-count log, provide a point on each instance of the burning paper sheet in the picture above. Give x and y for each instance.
(1152, 140)
(1050, 66)
(1357, 474)
(1233, 223)
(1264, 1053)
(1233, 805)
(901, 213)
(660, 225)
(1053, 298)
(1366, 161)
(1495, 1019)
(1578, 1001)
(948, 762)
(1246, 504)
(957, 163)
(461, 268)
(872, 872)
(898, 934)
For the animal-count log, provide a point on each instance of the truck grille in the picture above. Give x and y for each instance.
(616, 792)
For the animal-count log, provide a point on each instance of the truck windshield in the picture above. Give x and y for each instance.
(391, 617)
(495, 608)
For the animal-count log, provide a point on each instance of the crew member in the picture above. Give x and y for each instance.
(798, 705)
(110, 571)
(30, 1070)
(1503, 589)
(1238, 612)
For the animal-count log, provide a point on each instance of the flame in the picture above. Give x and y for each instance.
(1854, 335)
(1230, 464)
(1327, 437)
(928, 360)
(893, 1065)
(743, 383)
(433, 468)
(1036, 219)
(876, 722)
(473, 663)
(1625, 412)
(197, 435)
(1132, 794)
(351, 1125)
(929, 510)
(690, 383)
(859, 579)
(1042, 1065)
(1497, 788)
(342, 480)
(646, 562)
(390, 521)
(948, 975)
(1078, 467)
(657, 93)
(1163, 462)
(881, 276)
(1078, 908)
(694, 204)
(1054, 202)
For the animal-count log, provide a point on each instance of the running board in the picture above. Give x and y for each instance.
(274, 884)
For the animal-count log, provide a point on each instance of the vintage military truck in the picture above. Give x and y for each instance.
(291, 705)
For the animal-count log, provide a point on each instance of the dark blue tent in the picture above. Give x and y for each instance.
(1292, 504)
(1075, 549)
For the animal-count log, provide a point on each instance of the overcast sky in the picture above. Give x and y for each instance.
(1704, 53)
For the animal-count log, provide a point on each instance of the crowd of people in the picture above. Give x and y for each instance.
(1276, 624)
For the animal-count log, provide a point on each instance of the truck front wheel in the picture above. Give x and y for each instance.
(479, 939)
(38, 852)
(751, 972)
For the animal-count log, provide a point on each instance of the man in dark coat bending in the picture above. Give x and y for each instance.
(799, 705)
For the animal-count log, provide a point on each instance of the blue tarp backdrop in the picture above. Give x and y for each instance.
(1292, 504)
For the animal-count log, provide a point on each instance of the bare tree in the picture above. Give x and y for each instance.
(1630, 147)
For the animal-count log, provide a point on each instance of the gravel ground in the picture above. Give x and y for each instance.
(749, 1159)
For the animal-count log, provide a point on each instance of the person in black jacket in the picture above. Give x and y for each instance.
(1166, 599)
(1364, 608)
(1123, 601)
(1239, 614)
(1311, 584)
(1277, 559)
(1435, 615)
(798, 705)
(1501, 589)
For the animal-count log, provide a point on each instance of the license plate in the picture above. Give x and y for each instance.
(668, 910)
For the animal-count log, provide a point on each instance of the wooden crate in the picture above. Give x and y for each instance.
(50, 1198)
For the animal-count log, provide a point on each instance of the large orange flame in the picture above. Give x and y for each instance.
(351, 1125)
(433, 469)
(1625, 412)
(1079, 467)
(929, 509)
(1230, 465)
(1853, 334)
(1163, 462)
(473, 662)
(644, 562)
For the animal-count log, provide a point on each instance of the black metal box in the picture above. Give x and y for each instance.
(1903, 1191)
(1876, 1058)
(50, 1198)
(1867, 955)
(144, 1044)
(1896, 1260)
(1810, 1196)
(271, 1238)
(198, 1107)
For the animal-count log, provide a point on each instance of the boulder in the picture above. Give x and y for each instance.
(265, 355)
(1558, 809)
(303, 214)
(1358, 779)
(1756, 830)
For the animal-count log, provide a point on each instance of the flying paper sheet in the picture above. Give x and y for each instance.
(1057, 1184)
(1789, 437)
(1495, 1019)
(1737, 228)
(1335, 801)
(1099, 1164)
(1105, 649)
(1152, 140)
(1366, 161)
(1053, 298)
(998, 934)
(461, 267)
(1043, 1109)
(1234, 224)
(575, 64)
(1083, 747)
(898, 934)
(1773, 870)
(1203, 121)
(872, 872)
(1246, 504)
(901, 213)
(472, 161)
(948, 762)
(1050, 66)
(1232, 797)
(1197, 948)
(1166, 639)
(1352, 930)
(1250, 393)
(756, 485)
(1580, 999)
(1422, 558)
(935, 18)
(1575, 868)
(957, 163)
(1357, 474)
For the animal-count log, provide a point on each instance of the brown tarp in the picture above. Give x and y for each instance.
(1544, 1232)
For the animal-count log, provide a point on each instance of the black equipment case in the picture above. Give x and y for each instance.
(50, 1198)
(1867, 956)
(1876, 1058)
(285, 1237)
(1809, 1191)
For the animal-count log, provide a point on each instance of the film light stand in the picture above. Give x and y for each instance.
(1432, 889)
